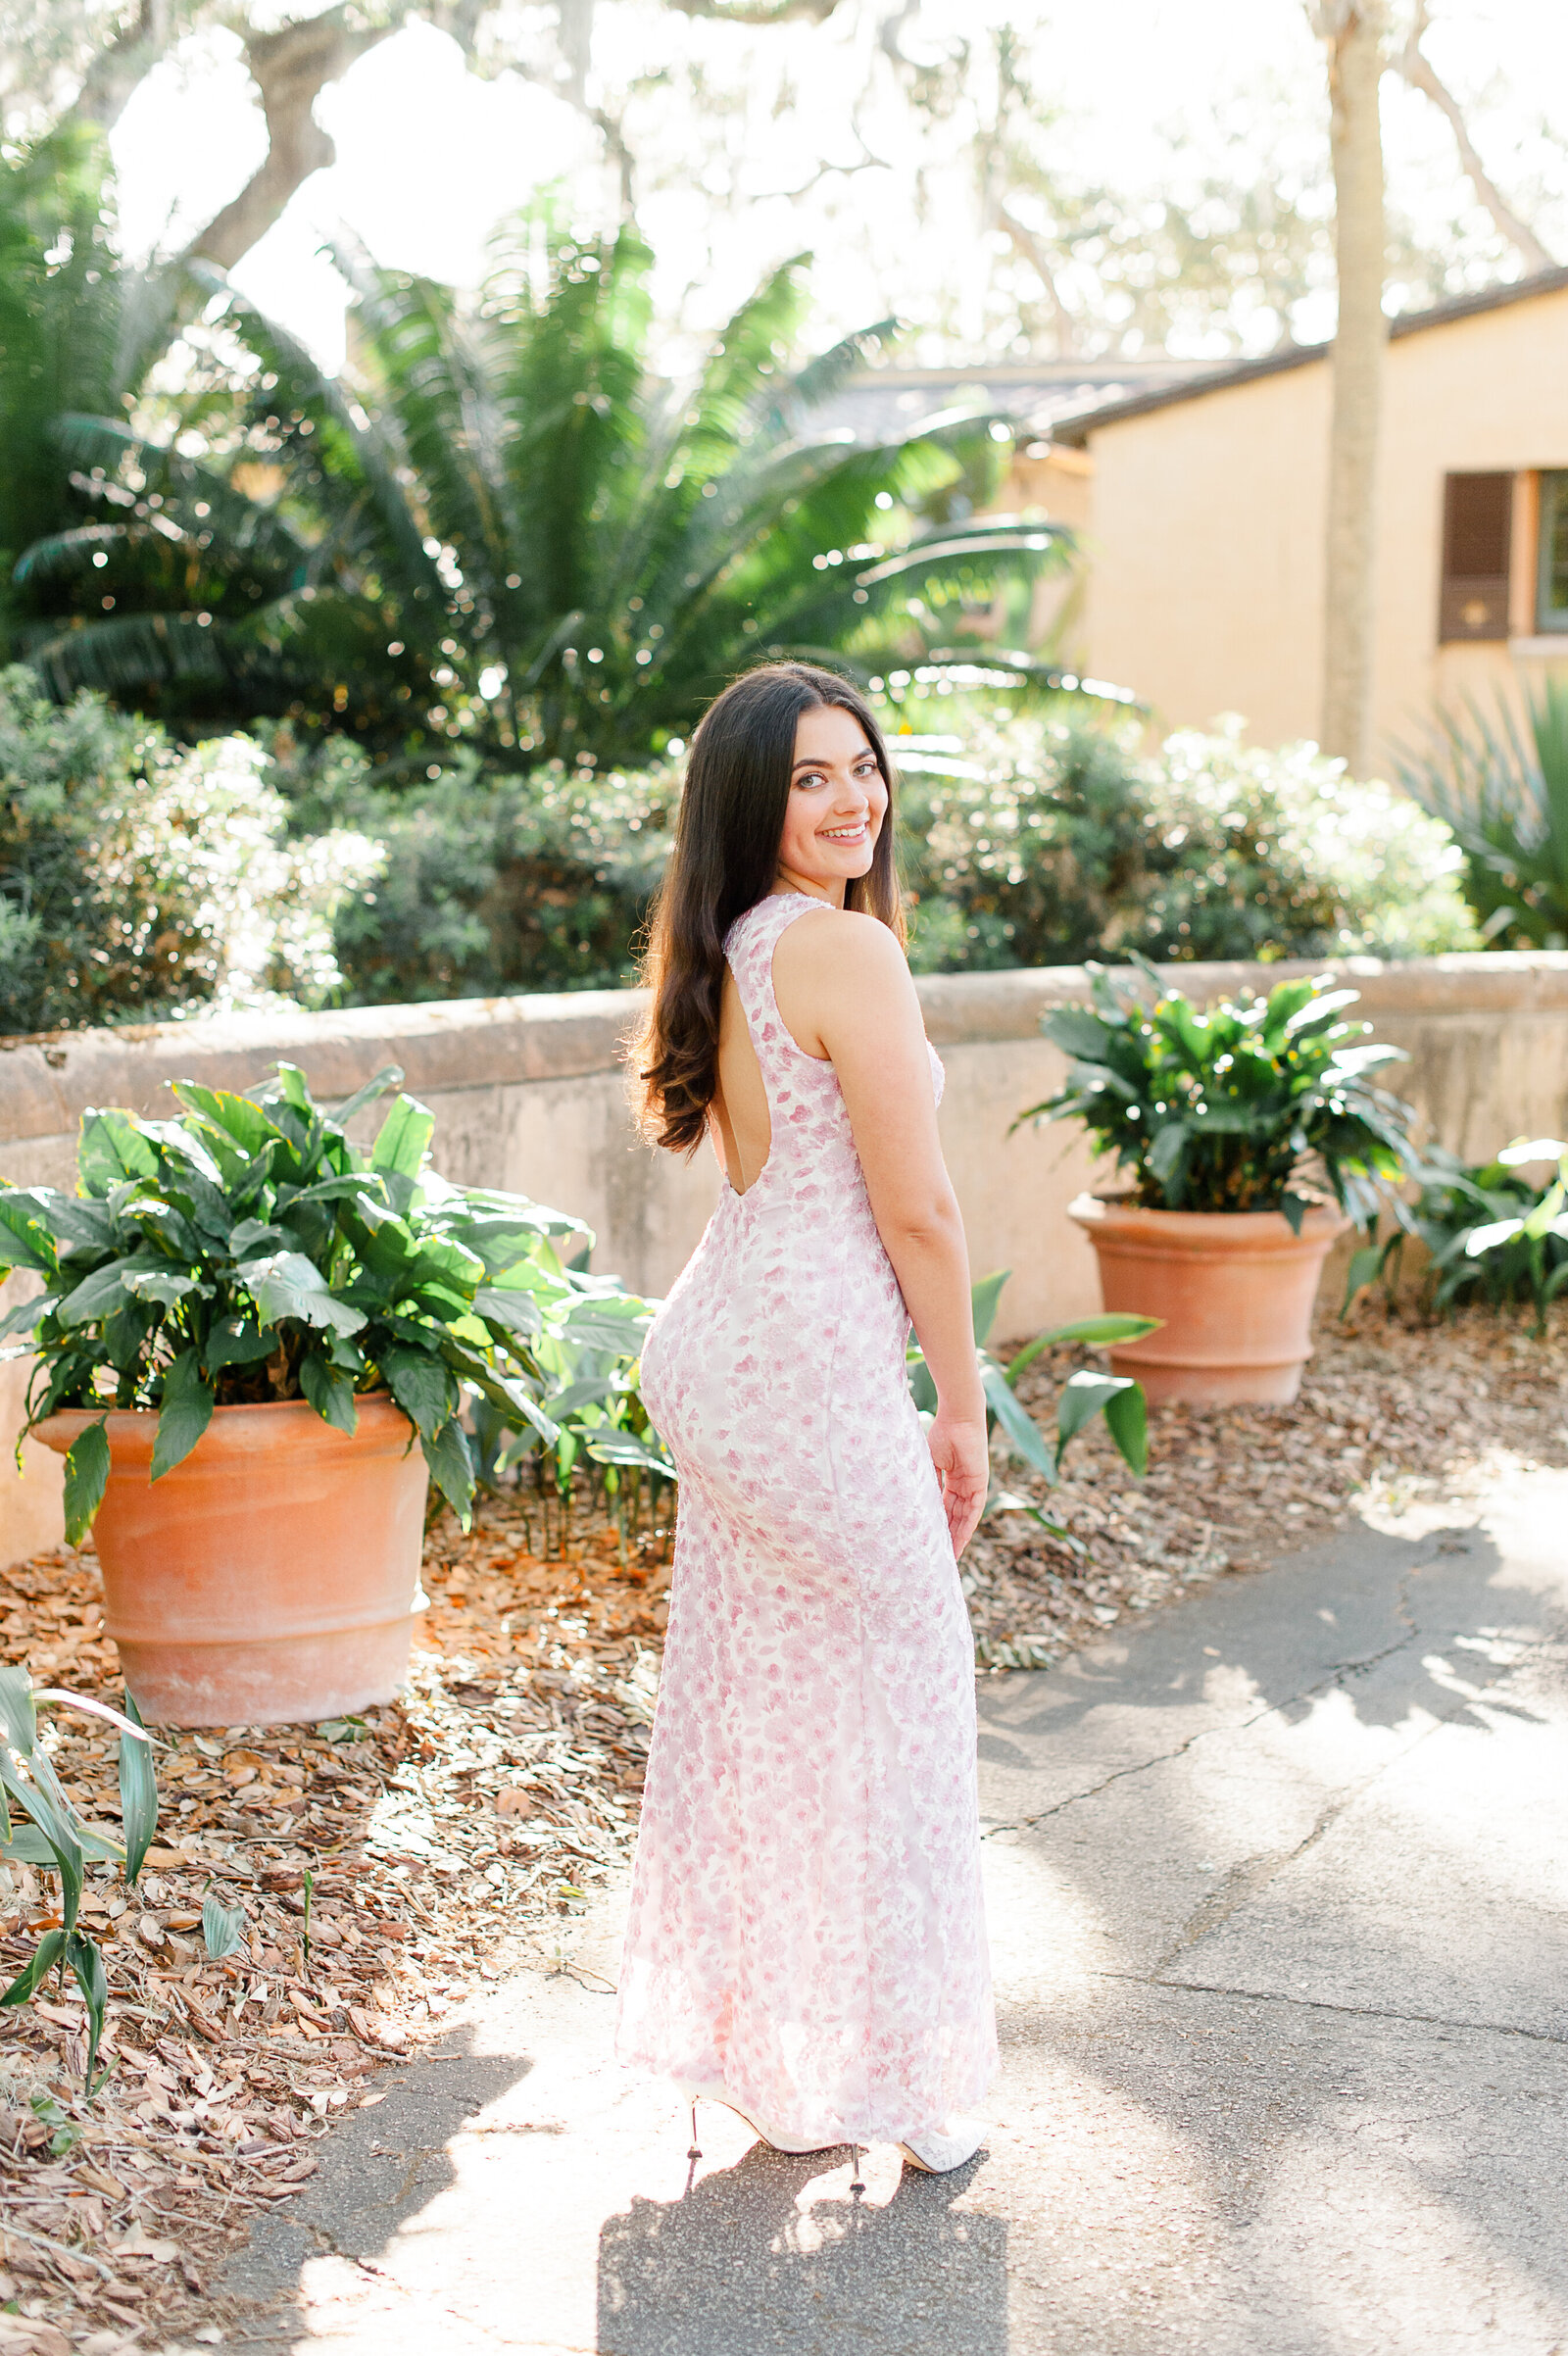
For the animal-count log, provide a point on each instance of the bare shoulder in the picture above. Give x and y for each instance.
(835, 946)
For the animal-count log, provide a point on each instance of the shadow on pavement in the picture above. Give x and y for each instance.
(741, 2265)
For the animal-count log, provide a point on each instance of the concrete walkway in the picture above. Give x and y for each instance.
(1279, 1888)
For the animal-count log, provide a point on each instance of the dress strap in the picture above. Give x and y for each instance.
(749, 948)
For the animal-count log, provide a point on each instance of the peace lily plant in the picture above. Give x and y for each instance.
(247, 1252)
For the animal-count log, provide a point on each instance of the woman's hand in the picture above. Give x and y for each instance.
(964, 1467)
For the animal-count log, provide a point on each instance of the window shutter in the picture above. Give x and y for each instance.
(1477, 531)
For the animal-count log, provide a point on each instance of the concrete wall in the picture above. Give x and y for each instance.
(527, 1095)
(1205, 536)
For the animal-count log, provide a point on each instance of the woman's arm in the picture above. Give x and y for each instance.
(845, 994)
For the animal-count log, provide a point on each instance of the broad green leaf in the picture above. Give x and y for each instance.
(25, 1241)
(222, 1930)
(451, 1469)
(1366, 1266)
(1082, 1395)
(18, 1718)
(23, 1316)
(33, 1976)
(610, 1446)
(1077, 1032)
(1127, 1421)
(1165, 1153)
(81, 1954)
(52, 1813)
(607, 1324)
(237, 1342)
(239, 1117)
(288, 1285)
(185, 1412)
(390, 1076)
(138, 1793)
(329, 1391)
(87, 1478)
(293, 1087)
(518, 1311)
(423, 1386)
(112, 1148)
(1096, 1332)
(161, 1285)
(404, 1138)
(1022, 1433)
(98, 1294)
(983, 1299)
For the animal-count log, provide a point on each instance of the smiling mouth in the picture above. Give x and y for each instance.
(845, 834)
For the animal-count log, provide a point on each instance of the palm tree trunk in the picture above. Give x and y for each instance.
(1351, 31)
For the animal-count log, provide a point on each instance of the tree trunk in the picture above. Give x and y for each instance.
(1418, 73)
(291, 68)
(1351, 31)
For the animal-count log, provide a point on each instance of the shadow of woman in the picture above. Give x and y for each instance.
(749, 2260)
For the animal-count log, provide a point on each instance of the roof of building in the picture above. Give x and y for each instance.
(878, 403)
(1075, 429)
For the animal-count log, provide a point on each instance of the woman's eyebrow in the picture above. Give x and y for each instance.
(865, 754)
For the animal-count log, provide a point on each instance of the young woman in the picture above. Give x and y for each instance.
(806, 1942)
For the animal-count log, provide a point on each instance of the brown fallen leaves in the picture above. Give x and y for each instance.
(445, 1833)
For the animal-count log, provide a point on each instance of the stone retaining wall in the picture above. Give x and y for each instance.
(527, 1094)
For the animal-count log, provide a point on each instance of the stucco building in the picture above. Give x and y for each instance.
(1200, 509)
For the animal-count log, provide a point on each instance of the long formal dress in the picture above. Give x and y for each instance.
(806, 1934)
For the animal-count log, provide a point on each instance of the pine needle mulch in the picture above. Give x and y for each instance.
(446, 1835)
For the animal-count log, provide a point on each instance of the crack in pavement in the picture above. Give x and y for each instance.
(1358, 2012)
(1239, 1726)
(1337, 1675)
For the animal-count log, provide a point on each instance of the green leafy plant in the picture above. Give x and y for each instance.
(1234, 1109)
(1085, 1394)
(59, 1838)
(510, 528)
(248, 1252)
(1502, 788)
(222, 1928)
(1486, 1229)
(1041, 841)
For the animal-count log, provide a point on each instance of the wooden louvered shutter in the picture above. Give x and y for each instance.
(1476, 531)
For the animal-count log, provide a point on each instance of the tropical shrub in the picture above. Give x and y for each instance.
(59, 1839)
(78, 331)
(1504, 790)
(1486, 1229)
(1085, 1394)
(247, 1250)
(139, 880)
(507, 529)
(1234, 1109)
(492, 883)
(1039, 842)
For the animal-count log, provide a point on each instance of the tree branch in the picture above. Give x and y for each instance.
(291, 68)
(1025, 243)
(125, 61)
(1418, 73)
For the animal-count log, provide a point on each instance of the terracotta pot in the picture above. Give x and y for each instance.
(273, 1576)
(1235, 1290)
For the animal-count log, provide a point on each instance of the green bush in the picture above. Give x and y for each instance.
(493, 884)
(139, 879)
(1037, 843)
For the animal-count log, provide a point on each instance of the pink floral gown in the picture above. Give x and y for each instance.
(807, 1933)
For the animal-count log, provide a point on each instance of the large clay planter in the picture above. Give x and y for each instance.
(271, 1577)
(1234, 1289)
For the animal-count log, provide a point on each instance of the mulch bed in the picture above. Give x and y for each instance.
(447, 1834)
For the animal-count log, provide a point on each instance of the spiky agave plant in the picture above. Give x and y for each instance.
(1502, 788)
(509, 530)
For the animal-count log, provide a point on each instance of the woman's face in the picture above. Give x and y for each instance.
(838, 801)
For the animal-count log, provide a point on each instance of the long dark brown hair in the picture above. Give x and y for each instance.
(724, 860)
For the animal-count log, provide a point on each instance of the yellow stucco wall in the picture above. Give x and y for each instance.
(1206, 539)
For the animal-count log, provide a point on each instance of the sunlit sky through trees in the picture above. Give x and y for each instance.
(918, 179)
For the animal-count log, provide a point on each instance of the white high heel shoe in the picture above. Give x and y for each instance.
(775, 2142)
(939, 2151)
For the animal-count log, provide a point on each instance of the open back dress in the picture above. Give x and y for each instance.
(806, 1935)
